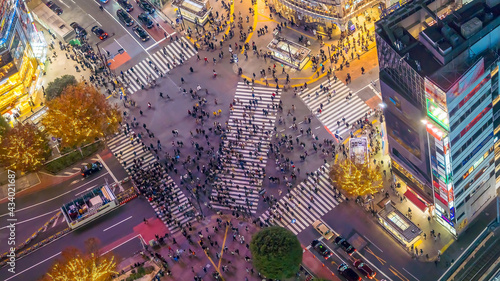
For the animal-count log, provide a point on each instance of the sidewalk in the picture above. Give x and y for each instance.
(260, 20)
(226, 241)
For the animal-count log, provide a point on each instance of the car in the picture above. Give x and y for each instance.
(141, 33)
(146, 6)
(104, 1)
(126, 5)
(348, 273)
(365, 269)
(99, 32)
(326, 232)
(91, 168)
(346, 246)
(80, 31)
(56, 9)
(125, 17)
(321, 248)
(146, 19)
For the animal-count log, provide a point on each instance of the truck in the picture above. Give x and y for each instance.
(89, 206)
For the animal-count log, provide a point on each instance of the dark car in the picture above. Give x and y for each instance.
(141, 33)
(126, 5)
(91, 168)
(99, 32)
(365, 269)
(346, 246)
(146, 19)
(80, 31)
(348, 273)
(321, 248)
(146, 6)
(125, 17)
(56, 9)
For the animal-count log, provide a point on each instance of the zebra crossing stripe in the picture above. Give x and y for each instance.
(142, 69)
(338, 107)
(122, 143)
(254, 159)
(305, 211)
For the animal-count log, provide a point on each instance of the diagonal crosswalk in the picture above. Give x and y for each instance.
(246, 143)
(335, 106)
(157, 65)
(180, 207)
(309, 201)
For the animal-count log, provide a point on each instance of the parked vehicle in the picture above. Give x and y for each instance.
(125, 17)
(53, 6)
(80, 31)
(91, 168)
(346, 246)
(126, 5)
(321, 248)
(146, 19)
(365, 269)
(348, 273)
(326, 232)
(146, 6)
(101, 34)
(141, 33)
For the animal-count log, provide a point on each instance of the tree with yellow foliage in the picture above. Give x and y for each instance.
(24, 148)
(356, 179)
(80, 115)
(77, 266)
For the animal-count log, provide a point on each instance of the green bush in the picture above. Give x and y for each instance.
(56, 87)
(67, 160)
(276, 252)
(141, 271)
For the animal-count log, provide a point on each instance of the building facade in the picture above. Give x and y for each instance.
(325, 16)
(22, 54)
(439, 83)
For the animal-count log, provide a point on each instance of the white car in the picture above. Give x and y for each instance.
(324, 230)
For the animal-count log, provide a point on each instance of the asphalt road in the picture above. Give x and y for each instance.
(114, 226)
(34, 209)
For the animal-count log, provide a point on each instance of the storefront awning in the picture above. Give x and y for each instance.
(415, 200)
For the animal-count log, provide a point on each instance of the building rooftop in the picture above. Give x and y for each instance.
(442, 44)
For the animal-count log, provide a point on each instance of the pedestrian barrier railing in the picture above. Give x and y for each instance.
(36, 246)
(32, 237)
(473, 247)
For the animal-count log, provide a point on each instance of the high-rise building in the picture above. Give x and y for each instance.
(22, 53)
(439, 83)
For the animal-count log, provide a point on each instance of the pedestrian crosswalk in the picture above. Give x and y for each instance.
(157, 65)
(246, 143)
(306, 203)
(181, 208)
(335, 106)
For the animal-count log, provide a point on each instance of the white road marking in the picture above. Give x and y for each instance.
(126, 30)
(158, 42)
(64, 4)
(87, 189)
(55, 222)
(139, 235)
(94, 19)
(365, 87)
(375, 91)
(373, 244)
(109, 171)
(411, 274)
(117, 223)
(62, 194)
(19, 273)
(373, 266)
(33, 218)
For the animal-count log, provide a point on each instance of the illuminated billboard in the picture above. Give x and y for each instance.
(436, 104)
